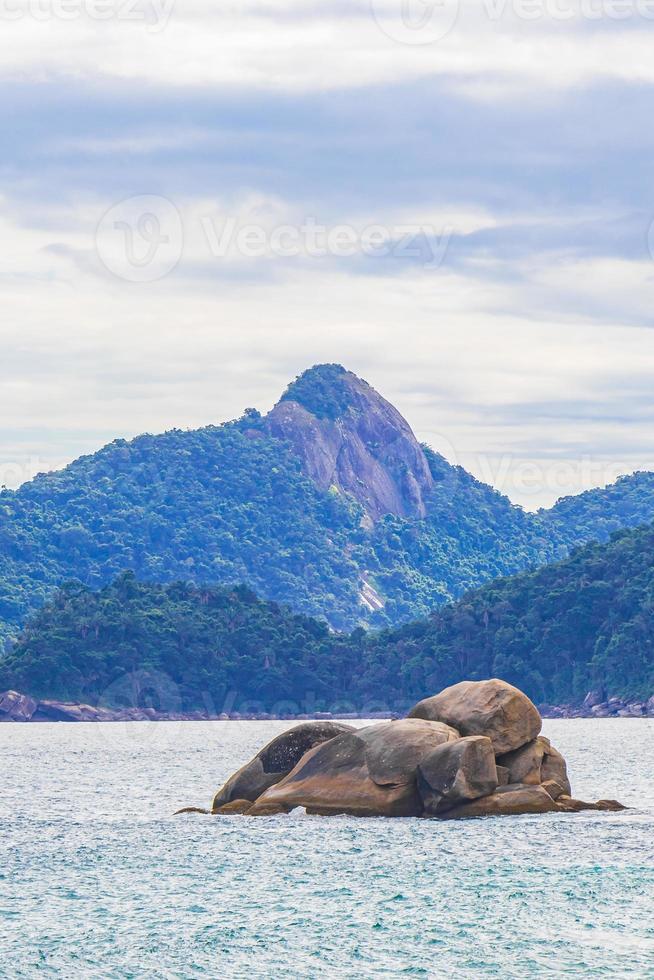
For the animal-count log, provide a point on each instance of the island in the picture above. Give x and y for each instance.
(474, 750)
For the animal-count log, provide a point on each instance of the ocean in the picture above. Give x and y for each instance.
(99, 879)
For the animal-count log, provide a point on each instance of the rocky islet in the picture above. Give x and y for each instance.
(473, 750)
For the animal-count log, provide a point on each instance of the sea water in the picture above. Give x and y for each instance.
(99, 879)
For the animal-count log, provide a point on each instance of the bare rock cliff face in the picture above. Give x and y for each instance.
(350, 437)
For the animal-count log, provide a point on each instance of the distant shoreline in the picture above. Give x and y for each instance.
(16, 708)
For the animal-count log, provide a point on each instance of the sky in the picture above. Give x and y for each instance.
(453, 200)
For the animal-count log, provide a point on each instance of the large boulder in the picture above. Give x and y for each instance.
(370, 772)
(505, 801)
(457, 772)
(536, 762)
(553, 767)
(524, 764)
(16, 707)
(493, 708)
(394, 749)
(275, 760)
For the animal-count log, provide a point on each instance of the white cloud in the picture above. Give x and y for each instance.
(529, 347)
(90, 357)
(304, 46)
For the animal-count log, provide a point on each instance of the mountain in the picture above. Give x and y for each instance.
(596, 514)
(586, 623)
(328, 503)
(350, 438)
(191, 647)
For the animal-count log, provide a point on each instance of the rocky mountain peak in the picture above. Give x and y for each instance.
(349, 437)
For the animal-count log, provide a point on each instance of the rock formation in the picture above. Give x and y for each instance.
(368, 772)
(457, 773)
(493, 708)
(16, 707)
(473, 750)
(351, 438)
(275, 761)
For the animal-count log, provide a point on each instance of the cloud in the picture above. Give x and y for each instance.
(520, 151)
(91, 357)
(304, 46)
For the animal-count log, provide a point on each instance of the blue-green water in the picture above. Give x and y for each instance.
(98, 879)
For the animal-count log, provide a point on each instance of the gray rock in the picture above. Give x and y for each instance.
(632, 711)
(594, 697)
(64, 711)
(367, 449)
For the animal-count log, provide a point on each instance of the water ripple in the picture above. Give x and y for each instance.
(98, 879)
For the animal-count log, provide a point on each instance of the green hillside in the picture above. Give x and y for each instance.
(210, 505)
(596, 514)
(234, 503)
(231, 504)
(583, 623)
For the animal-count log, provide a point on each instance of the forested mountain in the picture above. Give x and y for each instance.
(586, 622)
(596, 514)
(327, 503)
(202, 646)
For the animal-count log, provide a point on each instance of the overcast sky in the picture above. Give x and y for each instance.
(197, 201)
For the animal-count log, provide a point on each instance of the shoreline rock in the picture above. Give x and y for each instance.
(16, 707)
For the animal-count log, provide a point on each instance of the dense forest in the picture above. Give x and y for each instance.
(211, 505)
(596, 514)
(227, 504)
(231, 503)
(585, 622)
